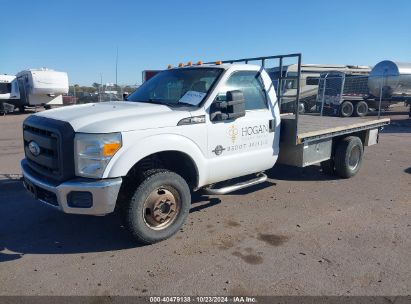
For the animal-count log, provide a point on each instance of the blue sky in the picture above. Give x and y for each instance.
(81, 37)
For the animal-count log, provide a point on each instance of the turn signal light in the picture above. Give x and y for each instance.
(109, 149)
(180, 65)
(199, 62)
(218, 62)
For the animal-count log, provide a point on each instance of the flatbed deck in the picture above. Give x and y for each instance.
(313, 127)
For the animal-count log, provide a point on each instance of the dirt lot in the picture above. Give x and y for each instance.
(302, 233)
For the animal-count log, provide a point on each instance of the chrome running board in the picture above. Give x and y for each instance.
(260, 178)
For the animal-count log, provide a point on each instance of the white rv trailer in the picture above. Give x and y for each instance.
(310, 74)
(42, 87)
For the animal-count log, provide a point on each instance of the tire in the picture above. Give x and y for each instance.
(159, 206)
(346, 109)
(22, 110)
(361, 109)
(348, 156)
(328, 167)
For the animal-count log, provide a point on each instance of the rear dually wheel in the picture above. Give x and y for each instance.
(348, 156)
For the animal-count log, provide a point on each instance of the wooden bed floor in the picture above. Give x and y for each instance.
(312, 125)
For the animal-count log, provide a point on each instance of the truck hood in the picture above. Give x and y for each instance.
(114, 116)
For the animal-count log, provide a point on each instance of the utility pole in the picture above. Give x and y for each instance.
(116, 67)
(101, 87)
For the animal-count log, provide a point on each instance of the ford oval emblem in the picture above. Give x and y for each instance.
(34, 148)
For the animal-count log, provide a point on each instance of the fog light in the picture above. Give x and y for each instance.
(80, 199)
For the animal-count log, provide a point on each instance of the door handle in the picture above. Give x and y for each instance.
(271, 125)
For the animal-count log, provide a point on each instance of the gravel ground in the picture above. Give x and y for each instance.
(301, 233)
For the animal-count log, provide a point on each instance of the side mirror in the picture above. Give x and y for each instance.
(233, 107)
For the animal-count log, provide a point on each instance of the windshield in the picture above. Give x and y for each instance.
(186, 86)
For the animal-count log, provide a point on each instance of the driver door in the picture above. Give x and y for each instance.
(244, 145)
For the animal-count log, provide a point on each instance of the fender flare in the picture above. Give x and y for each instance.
(126, 158)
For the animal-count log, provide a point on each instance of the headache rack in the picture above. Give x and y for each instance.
(282, 77)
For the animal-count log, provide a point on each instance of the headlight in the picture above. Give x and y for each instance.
(94, 151)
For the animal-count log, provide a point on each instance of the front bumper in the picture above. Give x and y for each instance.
(103, 192)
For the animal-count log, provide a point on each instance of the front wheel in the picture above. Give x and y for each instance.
(159, 206)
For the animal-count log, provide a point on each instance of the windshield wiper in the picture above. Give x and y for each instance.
(156, 101)
(151, 100)
(163, 102)
(182, 103)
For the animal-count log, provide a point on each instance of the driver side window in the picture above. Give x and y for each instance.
(250, 84)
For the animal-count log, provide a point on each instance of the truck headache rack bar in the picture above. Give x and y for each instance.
(281, 78)
(263, 59)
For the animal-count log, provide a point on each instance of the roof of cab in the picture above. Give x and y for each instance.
(224, 66)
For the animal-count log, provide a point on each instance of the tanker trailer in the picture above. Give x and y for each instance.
(391, 80)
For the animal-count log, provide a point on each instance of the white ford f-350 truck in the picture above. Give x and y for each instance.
(186, 129)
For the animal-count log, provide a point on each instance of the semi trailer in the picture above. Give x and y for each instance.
(390, 80)
(197, 127)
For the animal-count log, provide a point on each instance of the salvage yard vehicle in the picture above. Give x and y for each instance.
(186, 129)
